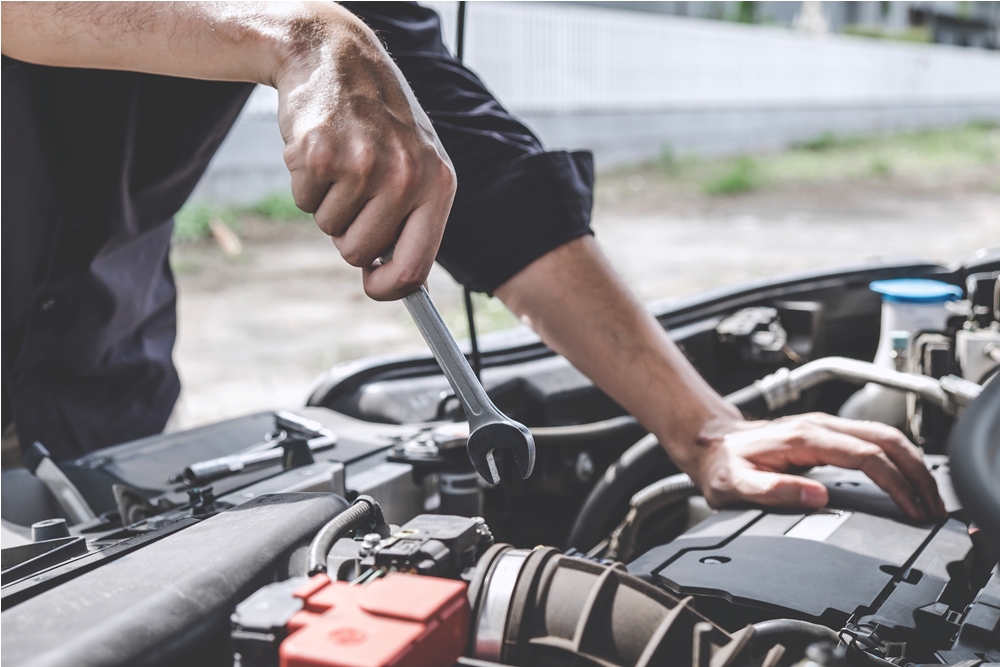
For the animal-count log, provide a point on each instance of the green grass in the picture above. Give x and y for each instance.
(880, 166)
(922, 155)
(280, 207)
(191, 222)
(926, 156)
(920, 34)
(742, 175)
(828, 141)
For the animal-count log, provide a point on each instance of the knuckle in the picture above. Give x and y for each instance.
(352, 255)
(375, 294)
(405, 180)
(900, 441)
(800, 432)
(872, 451)
(447, 177)
(773, 484)
(890, 436)
(320, 157)
(304, 202)
(364, 161)
(720, 481)
(885, 431)
(406, 166)
(717, 490)
(410, 278)
(291, 154)
(874, 456)
(305, 198)
(328, 224)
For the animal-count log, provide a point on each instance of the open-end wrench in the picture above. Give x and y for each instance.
(488, 427)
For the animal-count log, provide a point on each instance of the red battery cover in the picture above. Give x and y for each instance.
(403, 620)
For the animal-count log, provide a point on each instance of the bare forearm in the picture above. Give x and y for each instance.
(364, 158)
(580, 307)
(231, 41)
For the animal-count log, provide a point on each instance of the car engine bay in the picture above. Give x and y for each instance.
(354, 531)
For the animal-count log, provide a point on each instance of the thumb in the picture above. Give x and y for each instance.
(779, 490)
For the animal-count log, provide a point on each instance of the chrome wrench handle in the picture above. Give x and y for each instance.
(456, 368)
(488, 427)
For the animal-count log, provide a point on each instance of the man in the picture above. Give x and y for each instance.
(111, 113)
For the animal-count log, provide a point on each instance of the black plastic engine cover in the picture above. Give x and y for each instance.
(146, 464)
(825, 566)
(168, 602)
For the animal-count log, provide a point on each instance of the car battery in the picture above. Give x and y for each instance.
(399, 620)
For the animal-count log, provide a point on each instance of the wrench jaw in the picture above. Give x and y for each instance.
(513, 436)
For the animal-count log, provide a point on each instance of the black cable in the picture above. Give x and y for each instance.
(460, 33)
(477, 358)
(364, 511)
(614, 429)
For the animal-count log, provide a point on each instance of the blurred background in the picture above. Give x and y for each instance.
(733, 140)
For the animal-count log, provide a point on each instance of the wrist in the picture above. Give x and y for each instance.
(315, 35)
(689, 447)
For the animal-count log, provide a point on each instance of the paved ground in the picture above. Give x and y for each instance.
(256, 330)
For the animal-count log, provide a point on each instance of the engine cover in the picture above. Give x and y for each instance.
(824, 566)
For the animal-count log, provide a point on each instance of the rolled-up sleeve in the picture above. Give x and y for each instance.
(508, 217)
(515, 200)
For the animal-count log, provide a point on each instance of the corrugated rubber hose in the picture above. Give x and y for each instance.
(634, 467)
(644, 504)
(364, 511)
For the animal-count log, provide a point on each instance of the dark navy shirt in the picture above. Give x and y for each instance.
(95, 165)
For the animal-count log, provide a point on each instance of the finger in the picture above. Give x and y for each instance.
(825, 446)
(341, 205)
(310, 172)
(308, 189)
(374, 229)
(413, 256)
(773, 489)
(901, 451)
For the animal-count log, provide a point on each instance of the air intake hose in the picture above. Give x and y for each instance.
(539, 607)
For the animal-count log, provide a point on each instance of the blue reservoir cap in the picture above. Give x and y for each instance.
(916, 290)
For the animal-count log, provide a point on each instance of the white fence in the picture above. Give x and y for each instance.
(629, 84)
(551, 58)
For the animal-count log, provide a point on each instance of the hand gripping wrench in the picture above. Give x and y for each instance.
(488, 427)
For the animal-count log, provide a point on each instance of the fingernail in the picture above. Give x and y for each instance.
(812, 497)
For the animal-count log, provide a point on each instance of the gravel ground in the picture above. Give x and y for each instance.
(254, 331)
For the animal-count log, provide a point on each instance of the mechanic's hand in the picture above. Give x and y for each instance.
(363, 156)
(746, 463)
